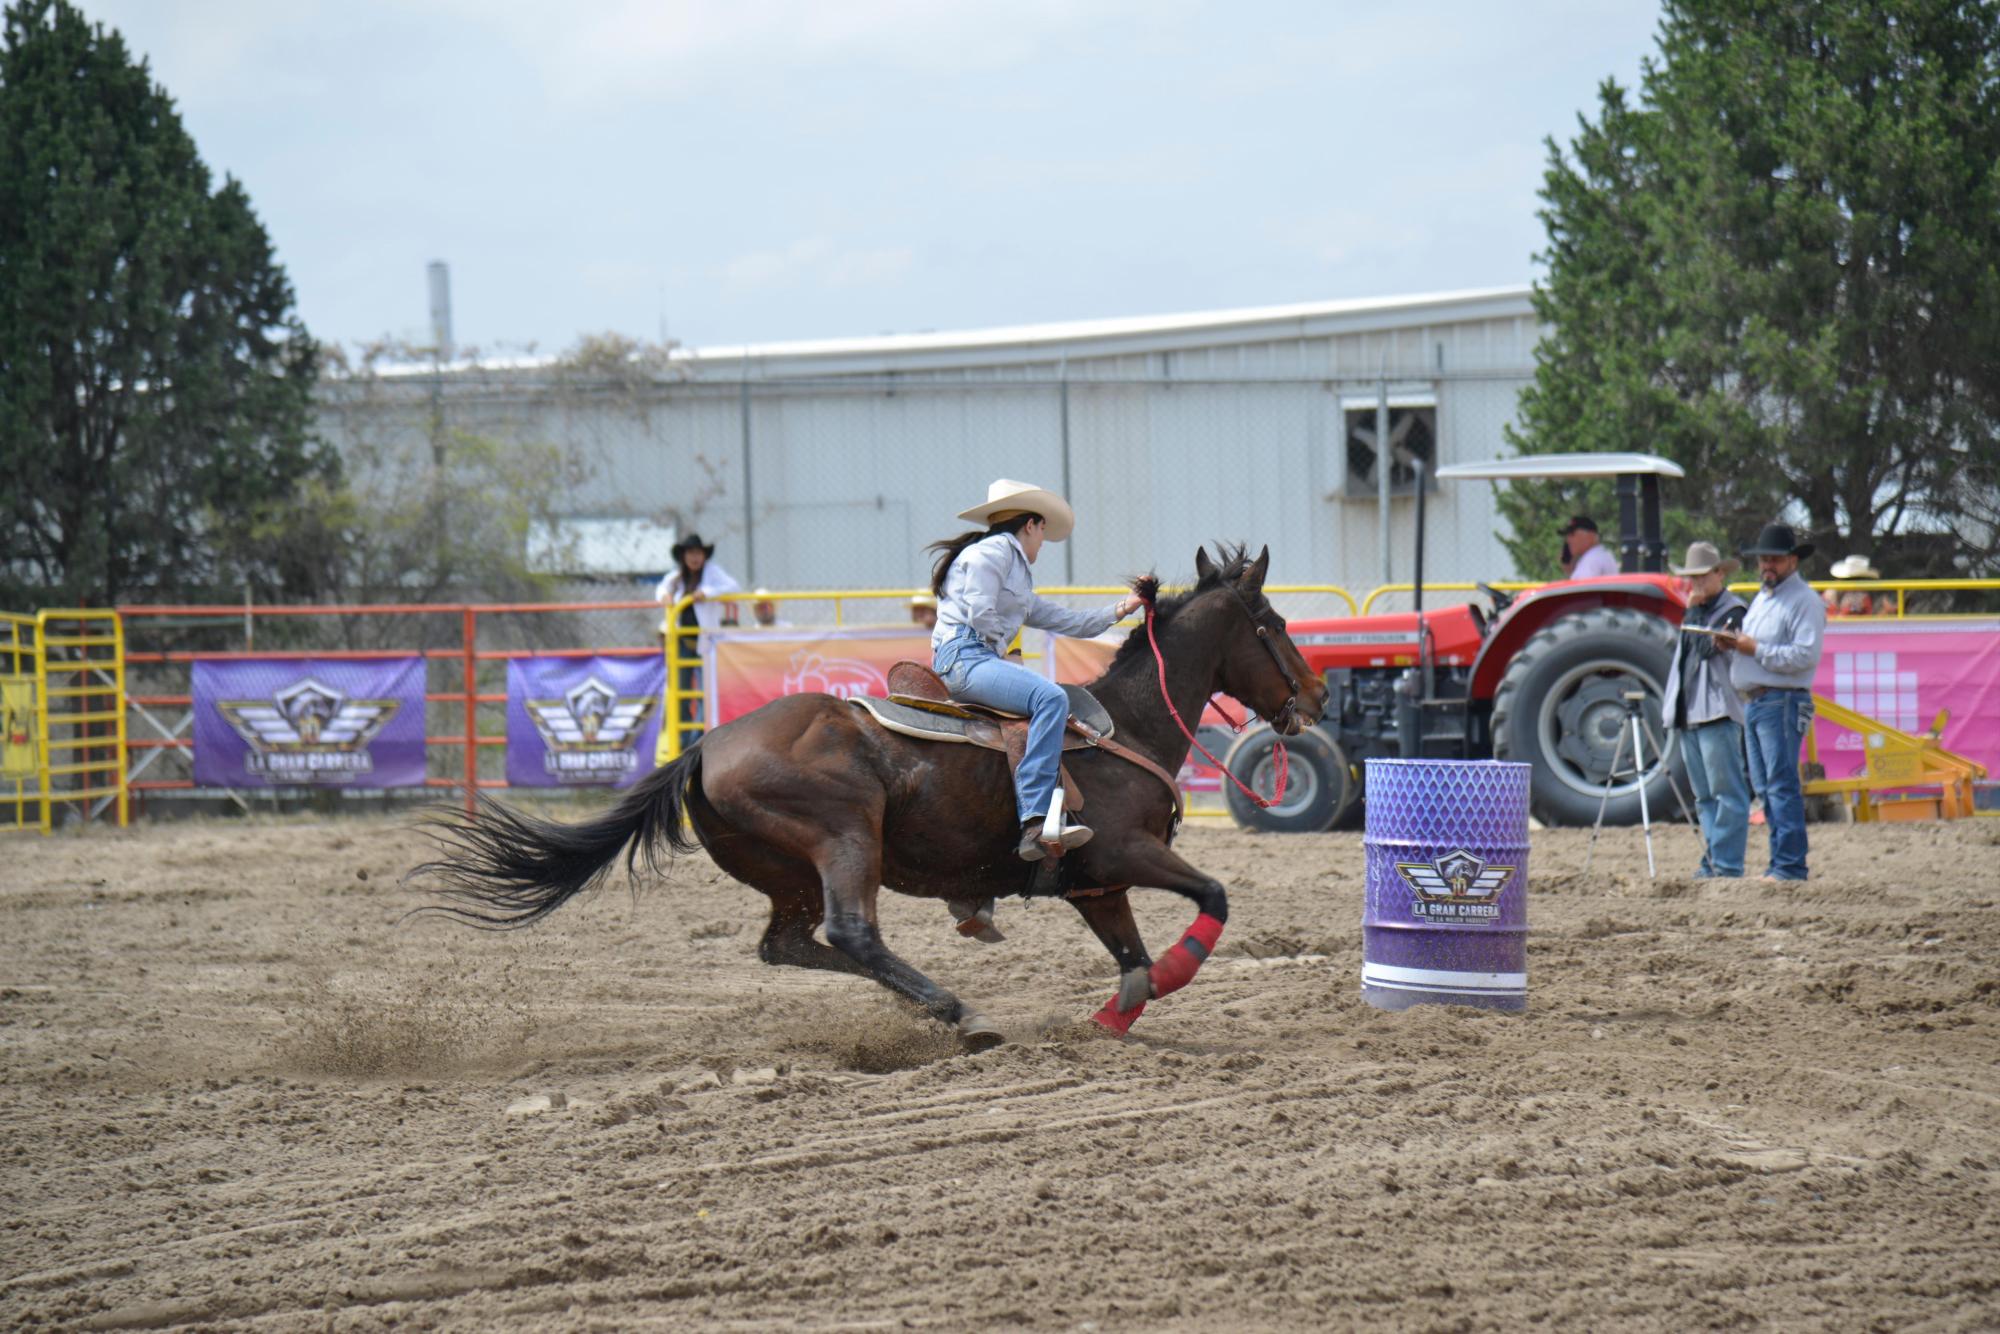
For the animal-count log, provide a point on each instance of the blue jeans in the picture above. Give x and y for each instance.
(1777, 723)
(973, 672)
(1714, 754)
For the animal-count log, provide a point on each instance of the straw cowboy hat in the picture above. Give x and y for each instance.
(1855, 567)
(1005, 499)
(1703, 558)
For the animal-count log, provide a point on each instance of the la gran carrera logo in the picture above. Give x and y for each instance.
(589, 735)
(308, 732)
(1457, 887)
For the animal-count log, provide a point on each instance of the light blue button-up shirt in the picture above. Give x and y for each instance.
(1789, 624)
(991, 588)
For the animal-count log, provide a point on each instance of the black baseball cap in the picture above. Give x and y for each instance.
(1576, 521)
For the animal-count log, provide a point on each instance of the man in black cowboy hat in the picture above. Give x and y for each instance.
(1777, 652)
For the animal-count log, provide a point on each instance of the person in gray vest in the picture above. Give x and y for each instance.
(1777, 652)
(1702, 705)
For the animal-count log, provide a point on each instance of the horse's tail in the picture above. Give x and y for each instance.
(504, 869)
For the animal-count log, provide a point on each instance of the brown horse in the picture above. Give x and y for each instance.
(810, 801)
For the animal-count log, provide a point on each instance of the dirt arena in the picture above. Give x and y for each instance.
(238, 1094)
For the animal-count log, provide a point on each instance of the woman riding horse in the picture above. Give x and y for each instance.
(812, 802)
(986, 593)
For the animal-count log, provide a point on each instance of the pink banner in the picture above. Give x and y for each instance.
(1906, 674)
(747, 669)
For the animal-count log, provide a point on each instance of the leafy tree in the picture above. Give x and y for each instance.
(155, 380)
(1781, 269)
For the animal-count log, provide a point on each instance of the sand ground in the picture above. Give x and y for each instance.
(238, 1094)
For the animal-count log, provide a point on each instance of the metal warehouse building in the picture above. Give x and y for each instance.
(830, 464)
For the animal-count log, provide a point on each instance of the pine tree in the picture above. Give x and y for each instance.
(1781, 269)
(155, 379)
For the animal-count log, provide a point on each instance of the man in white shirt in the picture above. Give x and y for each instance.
(1588, 557)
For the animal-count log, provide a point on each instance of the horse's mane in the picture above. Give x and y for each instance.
(1235, 559)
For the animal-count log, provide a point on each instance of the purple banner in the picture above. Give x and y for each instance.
(298, 722)
(582, 721)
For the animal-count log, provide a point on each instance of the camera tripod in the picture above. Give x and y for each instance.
(1636, 728)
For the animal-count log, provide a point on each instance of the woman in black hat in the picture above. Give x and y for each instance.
(695, 573)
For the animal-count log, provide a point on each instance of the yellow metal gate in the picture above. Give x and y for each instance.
(80, 700)
(22, 805)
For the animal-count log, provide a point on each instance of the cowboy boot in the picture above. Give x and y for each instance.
(975, 919)
(1034, 847)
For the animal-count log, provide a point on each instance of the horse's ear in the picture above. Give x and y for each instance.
(1203, 566)
(1253, 578)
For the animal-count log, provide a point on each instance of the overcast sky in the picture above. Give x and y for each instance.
(757, 170)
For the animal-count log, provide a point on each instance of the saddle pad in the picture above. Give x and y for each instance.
(921, 723)
(928, 725)
(929, 705)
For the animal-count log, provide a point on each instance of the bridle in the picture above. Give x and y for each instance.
(1288, 713)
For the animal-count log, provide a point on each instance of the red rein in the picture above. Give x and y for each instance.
(1282, 759)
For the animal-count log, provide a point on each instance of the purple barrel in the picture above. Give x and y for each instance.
(1447, 915)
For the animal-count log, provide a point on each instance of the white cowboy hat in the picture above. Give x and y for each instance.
(1006, 498)
(1855, 567)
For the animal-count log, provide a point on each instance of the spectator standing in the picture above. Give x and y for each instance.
(1852, 601)
(764, 611)
(923, 611)
(1777, 652)
(696, 574)
(1588, 557)
(1703, 706)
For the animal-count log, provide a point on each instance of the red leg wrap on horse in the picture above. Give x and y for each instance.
(1177, 967)
(1111, 1019)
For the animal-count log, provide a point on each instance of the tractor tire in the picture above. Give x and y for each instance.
(1560, 708)
(1319, 789)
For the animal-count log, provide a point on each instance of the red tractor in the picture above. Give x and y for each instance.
(1544, 678)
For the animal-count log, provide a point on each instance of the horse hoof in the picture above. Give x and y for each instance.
(978, 1033)
(1135, 988)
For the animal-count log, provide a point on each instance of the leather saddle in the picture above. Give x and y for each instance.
(919, 706)
(916, 686)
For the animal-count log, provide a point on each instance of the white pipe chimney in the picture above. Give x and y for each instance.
(440, 282)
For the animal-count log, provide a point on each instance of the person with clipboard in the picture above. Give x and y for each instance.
(1702, 705)
(1772, 661)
